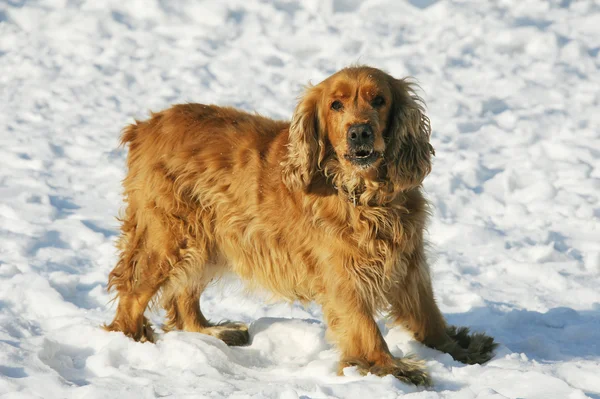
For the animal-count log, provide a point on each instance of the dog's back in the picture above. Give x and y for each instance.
(195, 193)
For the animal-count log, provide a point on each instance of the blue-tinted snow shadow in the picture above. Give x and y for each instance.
(68, 361)
(13, 372)
(50, 238)
(63, 206)
(557, 335)
(422, 4)
(95, 227)
(79, 294)
(9, 330)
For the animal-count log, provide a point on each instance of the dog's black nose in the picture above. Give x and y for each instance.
(360, 134)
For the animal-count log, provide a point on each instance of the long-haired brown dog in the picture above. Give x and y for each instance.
(327, 208)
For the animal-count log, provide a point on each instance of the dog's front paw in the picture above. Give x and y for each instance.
(474, 348)
(407, 369)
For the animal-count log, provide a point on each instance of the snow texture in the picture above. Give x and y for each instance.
(513, 92)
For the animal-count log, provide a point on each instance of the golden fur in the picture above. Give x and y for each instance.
(213, 189)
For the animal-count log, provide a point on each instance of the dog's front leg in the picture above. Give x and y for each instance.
(413, 305)
(352, 327)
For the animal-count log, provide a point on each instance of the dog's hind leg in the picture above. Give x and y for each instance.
(184, 313)
(130, 317)
(181, 298)
(137, 277)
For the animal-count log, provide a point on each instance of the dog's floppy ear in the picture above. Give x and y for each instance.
(306, 147)
(408, 152)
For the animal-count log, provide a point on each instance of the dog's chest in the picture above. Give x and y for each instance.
(375, 238)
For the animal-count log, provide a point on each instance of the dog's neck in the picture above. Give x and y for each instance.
(361, 191)
(357, 188)
(352, 196)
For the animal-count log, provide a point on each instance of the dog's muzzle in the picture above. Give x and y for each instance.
(360, 145)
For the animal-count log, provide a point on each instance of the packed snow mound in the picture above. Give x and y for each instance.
(513, 93)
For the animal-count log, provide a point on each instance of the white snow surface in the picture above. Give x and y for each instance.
(513, 93)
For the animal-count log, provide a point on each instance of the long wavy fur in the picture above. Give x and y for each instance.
(212, 189)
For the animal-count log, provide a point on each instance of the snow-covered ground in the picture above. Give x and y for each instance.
(513, 92)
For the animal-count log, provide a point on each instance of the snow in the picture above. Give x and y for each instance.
(513, 93)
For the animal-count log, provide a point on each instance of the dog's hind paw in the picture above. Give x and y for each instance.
(143, 333)
(233, 334)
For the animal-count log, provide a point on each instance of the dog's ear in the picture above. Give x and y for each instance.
(408, 151)
(306, 146)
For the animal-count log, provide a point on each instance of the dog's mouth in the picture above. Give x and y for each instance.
(363, 157)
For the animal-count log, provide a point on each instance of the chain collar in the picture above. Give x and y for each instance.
(350, 197)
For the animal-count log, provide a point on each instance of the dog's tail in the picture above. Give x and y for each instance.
(133, 133)
(129, 133)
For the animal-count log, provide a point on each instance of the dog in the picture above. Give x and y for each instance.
(327, 207)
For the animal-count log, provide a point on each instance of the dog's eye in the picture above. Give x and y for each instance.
(377, 102)
(337, 105)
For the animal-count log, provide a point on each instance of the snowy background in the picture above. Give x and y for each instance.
(513, 93)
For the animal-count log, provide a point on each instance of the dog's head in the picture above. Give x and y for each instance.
(365, 130)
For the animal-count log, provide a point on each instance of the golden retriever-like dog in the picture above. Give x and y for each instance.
(325, 208)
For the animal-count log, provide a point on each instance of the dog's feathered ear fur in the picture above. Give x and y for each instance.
(408, 152)
(306, 147)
